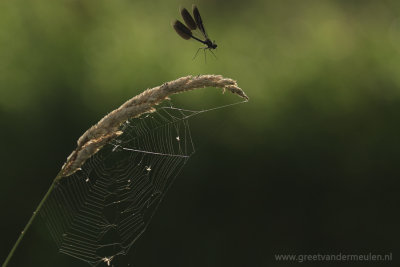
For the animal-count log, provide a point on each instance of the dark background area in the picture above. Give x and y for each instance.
(309, 165)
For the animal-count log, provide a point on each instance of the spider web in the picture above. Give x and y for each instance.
(100, 211)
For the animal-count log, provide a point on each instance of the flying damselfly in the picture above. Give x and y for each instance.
(185, 31)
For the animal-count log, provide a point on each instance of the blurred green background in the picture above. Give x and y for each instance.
(309, 165)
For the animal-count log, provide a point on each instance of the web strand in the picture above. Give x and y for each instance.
(100, 211)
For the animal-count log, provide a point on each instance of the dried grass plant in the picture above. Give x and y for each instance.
(108, 127)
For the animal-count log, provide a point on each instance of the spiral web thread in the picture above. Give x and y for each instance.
(99, 212)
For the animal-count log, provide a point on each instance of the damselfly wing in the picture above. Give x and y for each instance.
(191, 24)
